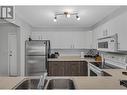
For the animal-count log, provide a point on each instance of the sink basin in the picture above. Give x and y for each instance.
(60, 84)
(30, 84)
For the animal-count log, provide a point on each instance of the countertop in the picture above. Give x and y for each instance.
(102, 82)
(80, 82)
(10, 82)
(97, 83)
(116, 73)
(71, 58)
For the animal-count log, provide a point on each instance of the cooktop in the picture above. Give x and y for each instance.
(124, 83)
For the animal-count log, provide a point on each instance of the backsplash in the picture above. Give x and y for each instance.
(116, 57)
(76, 52)
(70, 52)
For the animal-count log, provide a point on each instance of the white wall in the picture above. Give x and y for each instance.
(4, 30)
(25, 30)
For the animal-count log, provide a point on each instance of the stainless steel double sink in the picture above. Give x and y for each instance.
(49, 84)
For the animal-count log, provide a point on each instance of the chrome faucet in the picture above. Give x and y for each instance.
(42, 81)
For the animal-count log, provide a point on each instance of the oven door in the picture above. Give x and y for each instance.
(94, 71)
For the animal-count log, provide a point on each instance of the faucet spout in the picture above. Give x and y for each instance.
(42, 81)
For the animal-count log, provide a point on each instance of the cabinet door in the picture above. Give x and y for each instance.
(78, 68)
(83, 68)
(56, 69)
(72, 68)
(59, 40)
(94, 39)
(49, 66)
(83, 40)
(36, 36)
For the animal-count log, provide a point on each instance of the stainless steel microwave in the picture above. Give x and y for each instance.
(108, 43)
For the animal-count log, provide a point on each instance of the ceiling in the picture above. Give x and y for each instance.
(42, 16)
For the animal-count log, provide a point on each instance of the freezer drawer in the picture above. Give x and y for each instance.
(35, 48)
(35, 64)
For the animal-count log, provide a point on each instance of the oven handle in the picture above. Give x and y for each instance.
(94, 67)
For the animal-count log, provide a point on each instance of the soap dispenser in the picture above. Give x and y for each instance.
(82, 55)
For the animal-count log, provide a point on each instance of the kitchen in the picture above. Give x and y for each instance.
(81, 47)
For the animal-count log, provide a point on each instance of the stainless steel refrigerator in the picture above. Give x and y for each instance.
(37, 52)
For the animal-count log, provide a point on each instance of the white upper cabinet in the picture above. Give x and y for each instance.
(66, 40)
(94, 40)
(82, 40)
(36, 36)
(116, 25)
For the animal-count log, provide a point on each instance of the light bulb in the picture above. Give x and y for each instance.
(68, 15)
(78, 18)
(55, 19)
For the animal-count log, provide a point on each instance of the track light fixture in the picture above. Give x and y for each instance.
(66, 14)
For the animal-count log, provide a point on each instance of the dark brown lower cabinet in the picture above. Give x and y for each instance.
(55, 69)
(72, 69)
(67, 68)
